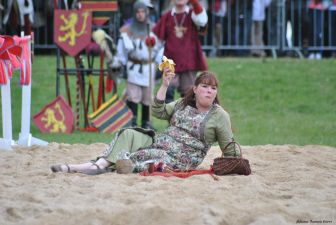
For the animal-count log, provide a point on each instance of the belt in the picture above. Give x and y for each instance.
(137, 61)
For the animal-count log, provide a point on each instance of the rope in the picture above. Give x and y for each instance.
(181, 174)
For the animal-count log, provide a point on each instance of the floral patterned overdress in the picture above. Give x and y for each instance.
(180, 146)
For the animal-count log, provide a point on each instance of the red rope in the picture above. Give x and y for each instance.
(180, 174)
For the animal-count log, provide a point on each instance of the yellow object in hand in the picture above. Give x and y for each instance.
(167, 63)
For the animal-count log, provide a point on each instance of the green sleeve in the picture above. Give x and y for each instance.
(224, 134)
(163, 111)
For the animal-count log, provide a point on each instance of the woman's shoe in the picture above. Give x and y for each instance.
(96, 171)
(58, 168)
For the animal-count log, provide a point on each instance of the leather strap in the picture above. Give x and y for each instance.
(137, 61)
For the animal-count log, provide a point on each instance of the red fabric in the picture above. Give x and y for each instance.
(196, 6)
(179, 174)
(3, 79)
(93, 47)
(186, 51)
(9, 56)
(25, 75)
(15, 62)
(109, 85)
(7, 43)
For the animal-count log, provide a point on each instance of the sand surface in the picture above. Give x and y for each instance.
(289, 185)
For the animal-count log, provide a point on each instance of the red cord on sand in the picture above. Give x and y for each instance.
(178, 173)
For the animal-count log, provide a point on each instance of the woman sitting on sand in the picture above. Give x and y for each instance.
(195, 122)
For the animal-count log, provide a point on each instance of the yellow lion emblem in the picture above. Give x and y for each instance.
(57, 125)
(69, 28)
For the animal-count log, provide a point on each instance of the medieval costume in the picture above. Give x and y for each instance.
(179, 32)
(183, 145)
(133, 52)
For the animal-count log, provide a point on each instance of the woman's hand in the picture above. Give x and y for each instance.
(167, 76)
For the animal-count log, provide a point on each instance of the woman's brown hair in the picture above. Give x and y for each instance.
(205, 77)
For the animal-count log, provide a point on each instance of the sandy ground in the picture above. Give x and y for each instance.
(289, 185)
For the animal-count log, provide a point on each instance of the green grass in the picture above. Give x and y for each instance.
(283, 101)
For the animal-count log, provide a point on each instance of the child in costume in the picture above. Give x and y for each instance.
(178, 29)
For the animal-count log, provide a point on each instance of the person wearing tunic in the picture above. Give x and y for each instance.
(179, 30)
(196, 122)
(136, 50)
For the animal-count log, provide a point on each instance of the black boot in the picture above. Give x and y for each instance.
(134, 108)
(145, 122)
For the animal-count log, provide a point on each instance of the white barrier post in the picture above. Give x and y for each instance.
(7, 141)
(25, 137)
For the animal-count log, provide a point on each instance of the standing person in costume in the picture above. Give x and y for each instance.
(195, 123)
(133, 51)
(179, 29)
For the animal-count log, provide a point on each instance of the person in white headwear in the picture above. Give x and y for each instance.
(126, 10)
(136, 49)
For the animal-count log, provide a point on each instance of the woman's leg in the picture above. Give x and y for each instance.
(101, 163)
(127, 140)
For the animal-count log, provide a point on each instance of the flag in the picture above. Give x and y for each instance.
(101, 10)
(111, 116)
(72, 30)
(55, 117)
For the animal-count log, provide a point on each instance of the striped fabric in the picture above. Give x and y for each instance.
(101, 9)
(111, 116)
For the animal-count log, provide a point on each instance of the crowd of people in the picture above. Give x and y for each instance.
(241, 24)
(237, 27)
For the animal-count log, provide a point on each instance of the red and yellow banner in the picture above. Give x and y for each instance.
(55, 117)
(72, 30)
(111, 116)
(100, 9)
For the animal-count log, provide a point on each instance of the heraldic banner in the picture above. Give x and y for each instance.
(101, 10)
(55, 117)
(111, 116)
(72, 30)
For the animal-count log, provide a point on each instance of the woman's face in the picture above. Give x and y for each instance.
(205, 94)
